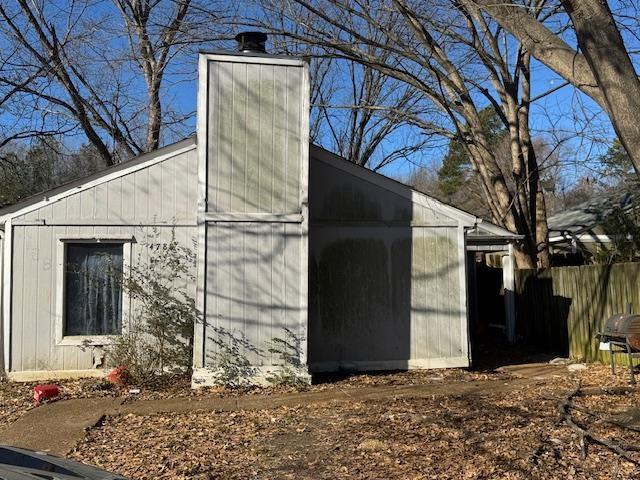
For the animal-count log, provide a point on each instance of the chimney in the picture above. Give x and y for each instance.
(251, 42)
(253, 142)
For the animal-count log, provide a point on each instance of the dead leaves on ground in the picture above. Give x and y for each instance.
(500, 435)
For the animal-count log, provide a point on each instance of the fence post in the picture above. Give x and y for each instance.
(508, 280)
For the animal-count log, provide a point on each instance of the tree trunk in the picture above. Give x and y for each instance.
(603, 70)
(602, 45)
(155, 117)
(538, 206)
(522, 254)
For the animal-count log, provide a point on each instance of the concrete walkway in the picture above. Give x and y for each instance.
(56, 427)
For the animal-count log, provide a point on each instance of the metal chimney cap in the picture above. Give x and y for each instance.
(251, 42)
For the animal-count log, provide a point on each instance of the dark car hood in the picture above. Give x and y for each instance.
(22, 464)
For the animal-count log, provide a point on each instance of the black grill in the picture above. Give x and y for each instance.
(622, 333)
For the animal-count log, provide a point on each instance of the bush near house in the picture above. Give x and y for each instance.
(159, 338)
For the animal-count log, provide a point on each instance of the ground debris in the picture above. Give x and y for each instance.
(493, 434)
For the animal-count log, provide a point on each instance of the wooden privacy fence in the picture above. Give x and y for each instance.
(561, 309)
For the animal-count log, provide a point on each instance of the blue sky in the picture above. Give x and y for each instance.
(566, 116)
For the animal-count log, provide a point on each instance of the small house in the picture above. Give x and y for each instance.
(599, 230)
(292, 241)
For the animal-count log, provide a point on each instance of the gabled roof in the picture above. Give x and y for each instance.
(597, 210)
(479, 229)
(137, 163)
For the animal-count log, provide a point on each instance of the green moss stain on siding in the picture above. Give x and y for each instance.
(343, 202)
(353, 283)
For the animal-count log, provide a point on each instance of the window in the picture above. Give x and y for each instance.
(92, 289)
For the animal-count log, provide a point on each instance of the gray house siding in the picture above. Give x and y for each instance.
(253, 131)
(139, 205)
(254, 137)
(253, 293)
(386, 265)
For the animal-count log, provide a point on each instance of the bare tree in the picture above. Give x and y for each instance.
(99, 68)
(601, 67)
(459, 61)
(361, 113)
(357, 111)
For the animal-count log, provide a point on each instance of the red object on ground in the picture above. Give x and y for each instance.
(119, 376)
(42, 392)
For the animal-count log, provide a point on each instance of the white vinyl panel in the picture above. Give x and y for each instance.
(185, 202)
(454, 294)
(260, 275)
(293, 145)
(142, 194)
(114, 199)
(252, 286)
(18, 297)
(419, 326)
(442, 267)
(280, 115)
(223, 274)
(429, 286)
(253, 146)
(214, 111)
(279, 280)
(157, 192)
(293, 275)
(73, 206)
(30, 304)
(169, 177)
(56, 352)
(212, 309)
(239, 139)
(189, 185)
(267, 112)
(102, 201)
(59, 210)
(44, 315)
(87, 203)
(221, 143)
(433, 294)
(128, 197)
(239, 285)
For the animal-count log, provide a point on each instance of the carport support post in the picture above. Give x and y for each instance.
(508, 280)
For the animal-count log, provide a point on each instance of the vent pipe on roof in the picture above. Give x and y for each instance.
(251, 42)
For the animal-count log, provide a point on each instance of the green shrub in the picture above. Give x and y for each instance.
(290, 373)
(158, 340)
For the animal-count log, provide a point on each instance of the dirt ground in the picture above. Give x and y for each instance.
(17, 398)
(516, 434)
(511, 435)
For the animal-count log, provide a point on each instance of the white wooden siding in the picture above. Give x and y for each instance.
(253, 149)
(164, 192)
(136, 204)
(386, 274)
(253, 293)
(254, 137)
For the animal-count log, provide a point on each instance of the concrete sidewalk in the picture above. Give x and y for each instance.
(56, 427)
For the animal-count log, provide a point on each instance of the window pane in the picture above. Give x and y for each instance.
(93, 292)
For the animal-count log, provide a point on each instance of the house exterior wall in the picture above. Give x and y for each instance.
(387, 274)
(149, 203)
(253, 143)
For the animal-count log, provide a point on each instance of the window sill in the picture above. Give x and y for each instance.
(87, 340)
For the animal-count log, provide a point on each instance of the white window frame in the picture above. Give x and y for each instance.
(127, 242)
